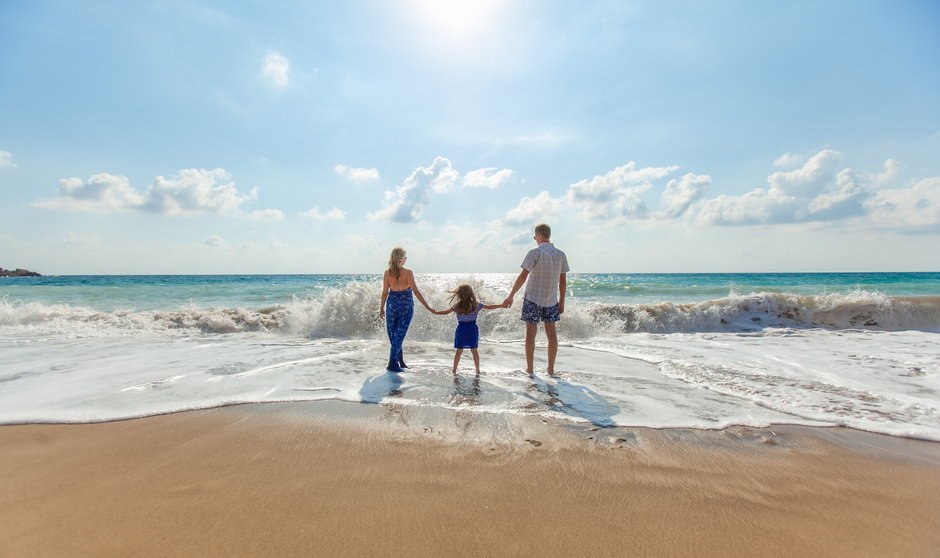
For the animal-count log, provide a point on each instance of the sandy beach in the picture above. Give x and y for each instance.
(339, 479)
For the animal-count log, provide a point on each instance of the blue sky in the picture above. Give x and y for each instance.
(312, 137)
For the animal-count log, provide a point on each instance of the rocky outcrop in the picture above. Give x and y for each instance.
(18, 272)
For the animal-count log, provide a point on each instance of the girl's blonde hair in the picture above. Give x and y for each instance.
(462, 299)
(394, 261)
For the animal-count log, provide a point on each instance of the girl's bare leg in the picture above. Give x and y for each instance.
(457, 360)
(476, 359)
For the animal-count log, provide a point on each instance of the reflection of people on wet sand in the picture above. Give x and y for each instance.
(375, 389)
(466, 391)
(574, 400)
(543, 273)
(464, 303)
(397, 306)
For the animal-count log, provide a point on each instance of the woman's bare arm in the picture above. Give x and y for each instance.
(385, 287)
(417, 292)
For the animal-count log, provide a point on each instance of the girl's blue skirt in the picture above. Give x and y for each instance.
(467, 336)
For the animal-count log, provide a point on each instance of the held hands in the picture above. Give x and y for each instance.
(506, 304)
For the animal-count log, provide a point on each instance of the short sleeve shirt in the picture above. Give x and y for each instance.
(469, 317)
(545, 264)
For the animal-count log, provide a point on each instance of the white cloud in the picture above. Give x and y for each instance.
(334, 214)
(814, 192)
(190, 192)
(808, 180)
(268, 215)
(408, 201)
(821, 192)
(487, 178)
(892, 168)
(789, 160)
(276, 69)
(845, 200)
(532, 211)
(194, 191)
(441, 176)
(907, 208)
(617, 193)
(102, 193)
(752, 208)
(521, 238)
(680, 194)
(356, 174)
(6, 160)
(214, 241)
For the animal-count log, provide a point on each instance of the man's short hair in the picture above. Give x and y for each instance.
(543, 230)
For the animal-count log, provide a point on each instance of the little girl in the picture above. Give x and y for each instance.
(465, 304)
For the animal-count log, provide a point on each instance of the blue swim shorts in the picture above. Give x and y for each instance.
(532, 313)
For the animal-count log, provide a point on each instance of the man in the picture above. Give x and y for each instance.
(543, 273)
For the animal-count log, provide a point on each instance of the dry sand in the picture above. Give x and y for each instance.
(352, 480)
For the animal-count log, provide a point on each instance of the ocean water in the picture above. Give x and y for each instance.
(656, 350)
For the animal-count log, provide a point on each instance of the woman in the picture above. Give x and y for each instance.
(397, 305)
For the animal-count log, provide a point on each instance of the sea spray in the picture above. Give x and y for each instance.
(351, 311)
(753, 312)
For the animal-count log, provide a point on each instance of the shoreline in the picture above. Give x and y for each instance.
(349, 479)
(363, 415)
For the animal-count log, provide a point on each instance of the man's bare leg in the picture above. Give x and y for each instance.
(530, 331)
(552, 346)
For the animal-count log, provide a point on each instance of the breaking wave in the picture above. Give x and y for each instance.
(352, 312)
(859, 310)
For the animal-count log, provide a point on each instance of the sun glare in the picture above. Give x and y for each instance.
(456, 19)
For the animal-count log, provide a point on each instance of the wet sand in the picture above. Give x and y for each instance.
(335, 479)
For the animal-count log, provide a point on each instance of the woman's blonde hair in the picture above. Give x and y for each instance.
(394, 261)
(462, 299)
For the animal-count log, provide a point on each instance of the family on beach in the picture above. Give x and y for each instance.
(543, 273)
